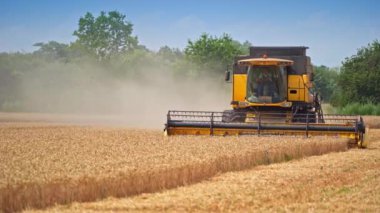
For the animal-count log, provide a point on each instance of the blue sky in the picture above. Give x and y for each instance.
(332, 29)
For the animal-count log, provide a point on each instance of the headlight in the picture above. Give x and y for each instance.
(286, 104)
(243, 104)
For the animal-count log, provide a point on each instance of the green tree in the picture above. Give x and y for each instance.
(359, 79)
(52, 50)
(170, 54)
(9, 81)
(244, 48)
(325, 80)
(213, 53)
(106, 35)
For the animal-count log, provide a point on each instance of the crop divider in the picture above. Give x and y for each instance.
(307, 125)
(259, 125)
(212, 124)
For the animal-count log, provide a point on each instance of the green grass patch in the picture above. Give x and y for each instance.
(360, 109)
(329, 109)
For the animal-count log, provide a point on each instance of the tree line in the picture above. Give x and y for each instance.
(106, 50)
(356, 81)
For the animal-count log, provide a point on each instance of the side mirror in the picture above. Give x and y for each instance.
(311, 77)
(227, 76)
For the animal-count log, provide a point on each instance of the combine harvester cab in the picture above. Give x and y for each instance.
(272, 94)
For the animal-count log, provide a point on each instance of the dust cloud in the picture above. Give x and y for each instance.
(83, 93)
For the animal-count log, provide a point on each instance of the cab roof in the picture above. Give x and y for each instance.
(265, 62)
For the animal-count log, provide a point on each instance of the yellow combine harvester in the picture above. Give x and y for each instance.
(272, 94)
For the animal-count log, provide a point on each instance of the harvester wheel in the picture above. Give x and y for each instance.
(363, 139)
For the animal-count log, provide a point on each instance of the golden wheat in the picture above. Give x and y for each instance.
(44, 165)
(371, 121)
(336, 182)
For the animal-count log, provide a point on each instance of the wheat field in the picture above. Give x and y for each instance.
(45, 164)
(334, 182)
(372, 121)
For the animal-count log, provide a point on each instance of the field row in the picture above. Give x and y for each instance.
(335, 182)
(43, 165)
